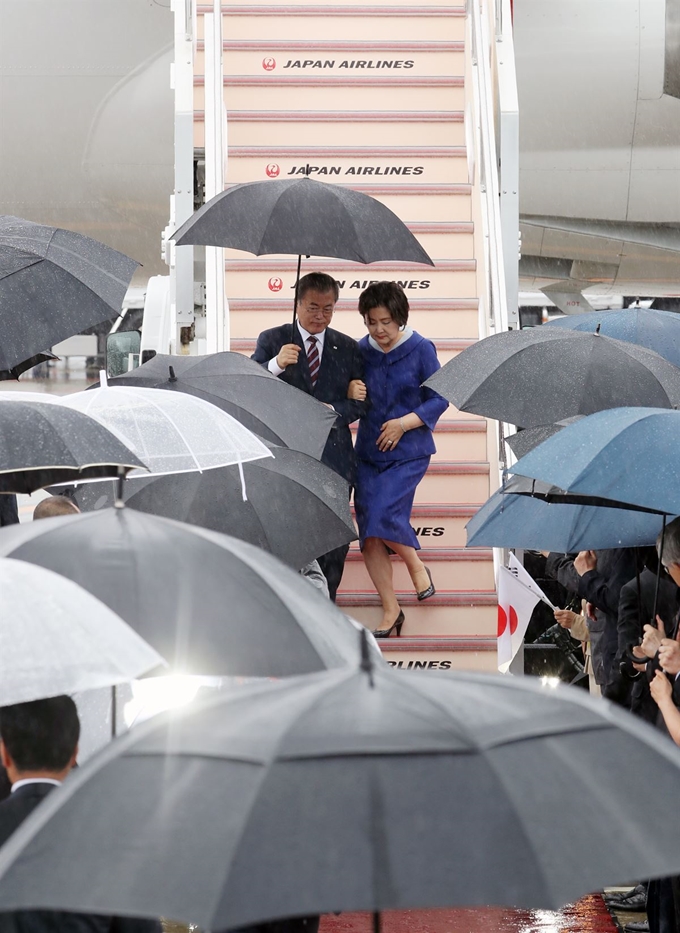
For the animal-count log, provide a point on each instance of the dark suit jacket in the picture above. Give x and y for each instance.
(602, 588)
(630, 624)
(13, 811)
(630, 631)
(341, 362)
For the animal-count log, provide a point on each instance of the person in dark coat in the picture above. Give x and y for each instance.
(598, 576)
(38, 748)
(636, 609)
(322, 362)
(394, 443)
(663, 899)
(9, 510)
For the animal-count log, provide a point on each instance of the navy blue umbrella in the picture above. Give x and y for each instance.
(655, 330)
(629, 455)
(521, 521)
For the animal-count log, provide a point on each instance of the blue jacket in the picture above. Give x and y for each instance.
(394, 383)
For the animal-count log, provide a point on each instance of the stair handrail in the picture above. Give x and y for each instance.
(493, 137)
(495, 156)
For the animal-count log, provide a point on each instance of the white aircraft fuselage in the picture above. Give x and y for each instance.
(86, 132)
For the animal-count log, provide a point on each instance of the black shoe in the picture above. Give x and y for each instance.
(397, 624)
(430, 591)
(637, 926)
(634, 902)
(618, 896)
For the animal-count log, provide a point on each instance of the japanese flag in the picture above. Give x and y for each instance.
(518, 593)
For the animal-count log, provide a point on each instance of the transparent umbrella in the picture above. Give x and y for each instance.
(57, 638)
(42, 443)
(176, 432)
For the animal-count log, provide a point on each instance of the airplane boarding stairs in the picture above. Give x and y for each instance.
(376, 97)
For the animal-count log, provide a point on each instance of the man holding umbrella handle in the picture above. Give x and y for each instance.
(322, 362)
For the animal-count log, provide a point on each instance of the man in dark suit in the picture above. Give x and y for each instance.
(38, 748)
(322, 362)
(598, 576)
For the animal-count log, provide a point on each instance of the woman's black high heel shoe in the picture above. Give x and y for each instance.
(430, 591)
(397, 624)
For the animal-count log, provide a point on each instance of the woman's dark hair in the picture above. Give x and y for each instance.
(41, 735)
(385, 295)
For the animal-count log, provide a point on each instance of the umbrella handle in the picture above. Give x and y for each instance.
(295, 301)
(658, 572)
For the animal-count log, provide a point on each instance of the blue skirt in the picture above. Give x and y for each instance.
(383, 499)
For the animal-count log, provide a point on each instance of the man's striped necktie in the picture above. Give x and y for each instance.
(313, 359)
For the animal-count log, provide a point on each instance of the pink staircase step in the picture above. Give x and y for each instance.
(448, 613)
(453, 568)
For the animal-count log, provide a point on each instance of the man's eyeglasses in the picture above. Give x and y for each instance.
(327, 311)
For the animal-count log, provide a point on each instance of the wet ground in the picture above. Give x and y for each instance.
(589, 915)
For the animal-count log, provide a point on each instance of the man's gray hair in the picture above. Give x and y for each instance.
(671, 544)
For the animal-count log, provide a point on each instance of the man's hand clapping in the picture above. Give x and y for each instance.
(652, 638)
(669, 652)
(585, 561)
(661, 689)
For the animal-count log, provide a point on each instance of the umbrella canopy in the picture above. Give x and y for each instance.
(305, 217)
(524, 441)
(656, 330)
(56, 638)
(170, 431)
(627, 454)
(354, 790)
(511, 520)
(542, 375)
(35, 360)
(297, 508)
(209, 604)
(537, 489)
(43, 442)
(53, 284)
(265, 405)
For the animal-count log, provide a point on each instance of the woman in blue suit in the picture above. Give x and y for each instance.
(394, 443)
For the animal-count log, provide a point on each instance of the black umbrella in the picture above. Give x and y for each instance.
(42, 443)
(524, 441)
(543, 375)
(216, 605)
(355, 790)
(276, 411)
(35, 360)
(302, 217)
(297, 508)
(53, 284)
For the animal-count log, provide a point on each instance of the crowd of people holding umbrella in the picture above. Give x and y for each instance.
(204, 486)
(595, 489)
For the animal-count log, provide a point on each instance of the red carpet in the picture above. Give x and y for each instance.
(589, 915)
